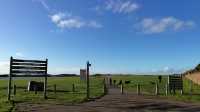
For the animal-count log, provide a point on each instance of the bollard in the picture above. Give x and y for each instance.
(166, 89)
(122, 89)
(138, 89)
(157, 89)
(55, 88)
(14, 91)
(73, 88)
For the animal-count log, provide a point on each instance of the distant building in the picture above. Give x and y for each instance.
(83, 75)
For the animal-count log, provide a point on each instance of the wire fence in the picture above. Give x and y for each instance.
(68, 89)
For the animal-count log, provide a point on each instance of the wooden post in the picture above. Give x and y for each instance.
(35, 89)
(138, 89)
(122, 89)
(114, 83)
(10, 79)
(157, 89)
(45, 81)
(181, 91)
(110, 81)
(166, 89)
(191, 88)
(88, 86)
(104, 87)
(174, 89)
(14, 89)
(73, 88)
(169, 85)
(55, 88)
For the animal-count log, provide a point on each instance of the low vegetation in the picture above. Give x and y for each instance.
(63, 95)
(147, 82)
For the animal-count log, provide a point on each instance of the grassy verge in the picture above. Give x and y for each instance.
(148, 87)
(63, 95)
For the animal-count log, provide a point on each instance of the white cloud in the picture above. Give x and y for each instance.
(57, 17)
(19, 54)
(150, 25)
(63, 20)
(121, 6)
(71, 23)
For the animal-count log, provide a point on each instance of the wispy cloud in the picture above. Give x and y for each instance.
(66, 20)
(94, 24)
(167, 70)
(19, 54)
(151, 26)
(43, 3)
(121, 6)
(118, 6)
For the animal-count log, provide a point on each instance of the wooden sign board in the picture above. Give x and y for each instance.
(83, 75)
(27, 67)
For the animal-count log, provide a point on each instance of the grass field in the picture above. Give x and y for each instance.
(64, 85)
(64, 92)
(147, 83)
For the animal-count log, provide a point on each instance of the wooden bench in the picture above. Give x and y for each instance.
(27, 67)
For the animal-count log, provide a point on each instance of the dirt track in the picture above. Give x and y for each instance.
(115, 102)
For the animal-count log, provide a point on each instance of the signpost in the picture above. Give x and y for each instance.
(87, 79)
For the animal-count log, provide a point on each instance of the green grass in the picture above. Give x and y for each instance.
(147, 83)
(63, 84)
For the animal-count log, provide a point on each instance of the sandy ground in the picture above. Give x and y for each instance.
(115, 102)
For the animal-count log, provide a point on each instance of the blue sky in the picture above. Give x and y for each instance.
(117, 36)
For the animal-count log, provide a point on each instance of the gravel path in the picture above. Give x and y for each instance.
(115, 102)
